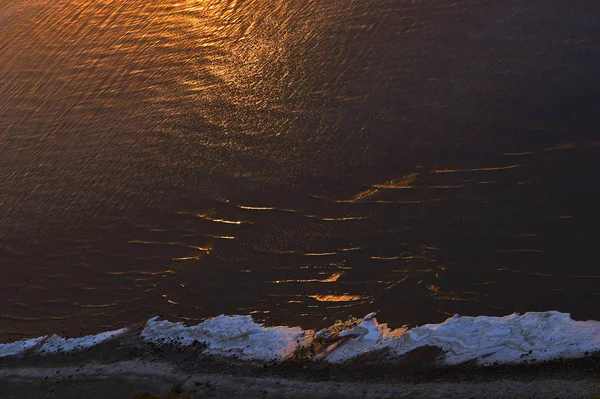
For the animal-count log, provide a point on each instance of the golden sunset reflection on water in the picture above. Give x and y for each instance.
(336, 298)
(296, 159)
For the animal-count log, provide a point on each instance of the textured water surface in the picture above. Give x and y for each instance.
(296, 160)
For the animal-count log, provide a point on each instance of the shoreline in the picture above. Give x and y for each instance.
(231, 356)
(127, 372)
(486, 341)
(128, 367)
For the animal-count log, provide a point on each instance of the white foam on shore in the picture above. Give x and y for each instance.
(230, 336)
(531, 337)
(19, 347)
(56, 344)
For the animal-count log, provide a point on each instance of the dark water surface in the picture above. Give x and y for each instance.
(296, 160)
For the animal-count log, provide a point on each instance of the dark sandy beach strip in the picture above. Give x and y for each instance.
(137, 379)
(118, 370)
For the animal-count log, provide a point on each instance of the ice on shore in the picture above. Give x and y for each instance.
(534, 336)
(531, 337)
(230, 336)
(367, 336)
(19, 347)
(56, 344)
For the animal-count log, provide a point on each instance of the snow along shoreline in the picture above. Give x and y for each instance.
(513, 339)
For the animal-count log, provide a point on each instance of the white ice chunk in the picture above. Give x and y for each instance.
(367, 336)
(56, 344)
(19, 347)
(534, 336)
(230, 336)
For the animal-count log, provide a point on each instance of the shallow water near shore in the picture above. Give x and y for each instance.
(296, 161)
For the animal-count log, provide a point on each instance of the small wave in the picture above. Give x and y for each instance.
(489, 169)
(266, 208)
(220, 237)
(223, 221)
(257, 208)
(531, 337)
(336, 298)
(331, 279)
(336, 219)
(402, 187)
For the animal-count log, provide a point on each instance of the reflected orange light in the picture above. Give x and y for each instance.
(336, 298)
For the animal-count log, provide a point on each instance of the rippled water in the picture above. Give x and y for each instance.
(296, 160)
